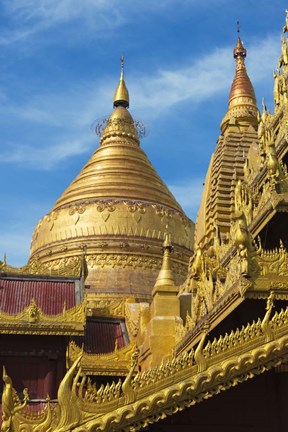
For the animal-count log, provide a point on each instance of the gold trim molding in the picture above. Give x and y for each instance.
(33, 321)
(116, 363)
(180, 382)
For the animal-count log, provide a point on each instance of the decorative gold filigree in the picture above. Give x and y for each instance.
(265, 325)
(11, 404)
(272, 262)
(116, 363)
(136, 206)
(109, 306)
(163, 211)
(32, 320)
(177, 382)
(76, 211)
(67, 266)
(127, 387)
(34, 313)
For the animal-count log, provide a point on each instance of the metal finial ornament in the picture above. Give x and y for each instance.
(239, 51)
(122, 64)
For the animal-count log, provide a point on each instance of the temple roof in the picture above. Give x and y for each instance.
(102, 335)
(50, 294)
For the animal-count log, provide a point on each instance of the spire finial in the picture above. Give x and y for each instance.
(238, 27)
(239, 51)
(121, 96)
(122, 65)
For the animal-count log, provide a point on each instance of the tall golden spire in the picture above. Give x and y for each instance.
(121, 95)
(239, 131)
(242, 101)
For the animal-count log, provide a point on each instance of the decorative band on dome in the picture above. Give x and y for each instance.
(99, 126)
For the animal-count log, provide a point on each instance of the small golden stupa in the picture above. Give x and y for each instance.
(116, 213)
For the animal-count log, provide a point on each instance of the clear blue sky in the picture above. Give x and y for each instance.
(59, 66)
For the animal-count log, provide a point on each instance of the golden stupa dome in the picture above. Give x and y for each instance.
(116, 211)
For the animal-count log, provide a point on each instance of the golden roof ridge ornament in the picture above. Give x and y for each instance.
(121, 95)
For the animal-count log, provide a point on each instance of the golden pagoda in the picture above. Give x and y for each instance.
(219, 338)
(116, 213)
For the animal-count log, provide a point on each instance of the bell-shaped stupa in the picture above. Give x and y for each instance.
(116, 213)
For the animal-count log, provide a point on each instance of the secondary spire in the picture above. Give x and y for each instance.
(165, 276)
(242, 100)
(121, 95)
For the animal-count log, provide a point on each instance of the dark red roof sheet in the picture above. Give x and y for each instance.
(101, 336)
(49, 294)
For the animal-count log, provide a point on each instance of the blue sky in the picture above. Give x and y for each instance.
(60, 64)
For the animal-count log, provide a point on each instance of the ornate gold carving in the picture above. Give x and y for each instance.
(32, 320)
(132, 317)
(115, 363)
(76, 211)
(199, 354)
(123, 129)
(242, 239)
(162, 211)
(51, 218)
(106, 306)
(136, 206)
(272, 262)
(70, 266)
(11, 404)
(177, 382)
(34, 313)
(123, 261)
(127, 387)
(180, 330)
(265, 325)
(231, 341)
(109, 205)
(109, 227)
(103, 394)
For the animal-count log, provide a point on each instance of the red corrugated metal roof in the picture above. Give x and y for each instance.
(101, 336)
(49, 295)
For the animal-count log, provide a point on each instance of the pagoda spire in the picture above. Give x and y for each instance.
(242, 100)
(121, 95)
(239, 131)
